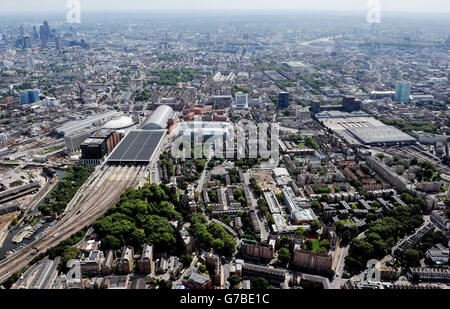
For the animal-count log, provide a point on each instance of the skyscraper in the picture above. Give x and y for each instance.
(47, 30)
(43, 37)
(283, 99)
(35, 34)
(402, 92)
(58, 42)
(83, 44)
(21, 31)
(165, 44)
(27, 42)
(315, 107)
(30, 62)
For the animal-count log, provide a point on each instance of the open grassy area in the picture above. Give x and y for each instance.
(315, 245)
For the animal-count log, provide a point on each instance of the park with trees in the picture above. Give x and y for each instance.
(143, 215)
(211, 236)
(171, 77)
(383, 232)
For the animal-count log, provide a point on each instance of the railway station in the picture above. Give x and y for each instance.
(138, 147)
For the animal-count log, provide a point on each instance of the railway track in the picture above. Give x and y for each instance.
(103, 193)
(96, 203)
(414, 152)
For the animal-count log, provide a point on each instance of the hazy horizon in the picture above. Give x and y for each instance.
(405, 6)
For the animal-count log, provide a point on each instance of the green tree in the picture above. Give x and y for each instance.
(284, 241)
(186, 260)
(359, 247)
(213, 196)
(309, 245)
(325, 198)
(315, 226)
(234, 280)
(259, 284)
(284, 255)
(379, 246)
(325, 243)
(160, 233)
(316, 207)
(70, 253)
(310, 142)
(61, 195)
(300, 231)
(411, 257)
(201, 268)
(110, 242)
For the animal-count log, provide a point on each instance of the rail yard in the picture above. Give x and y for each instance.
(103, 192)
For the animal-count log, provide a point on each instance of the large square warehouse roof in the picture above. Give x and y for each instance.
(380, 135)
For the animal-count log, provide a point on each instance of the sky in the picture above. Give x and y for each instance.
(424, 6)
